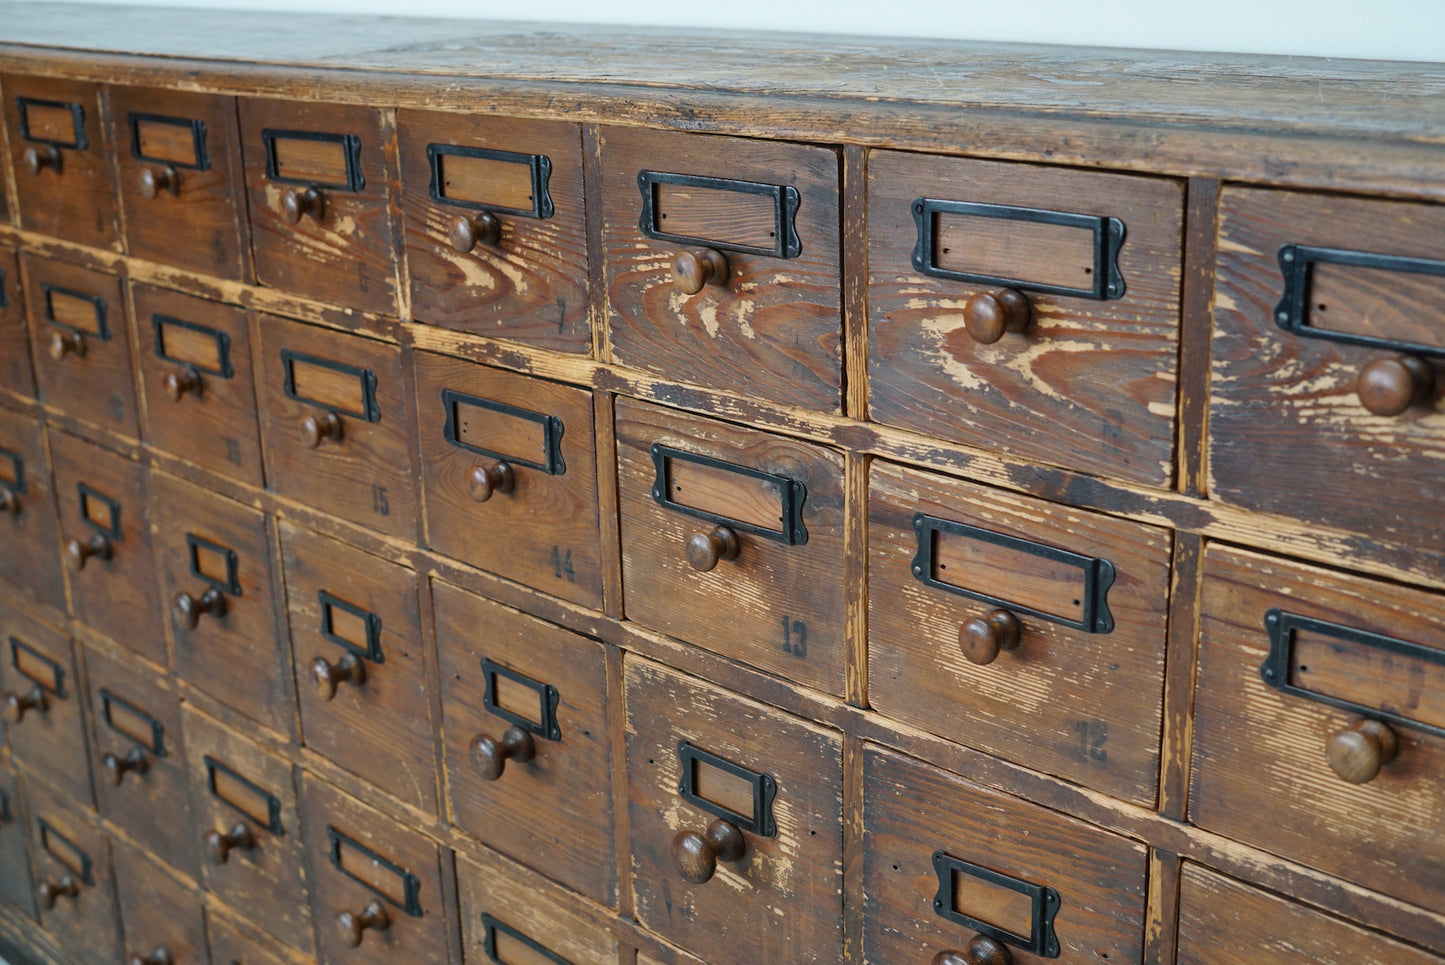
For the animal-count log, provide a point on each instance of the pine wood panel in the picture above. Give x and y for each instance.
(51, 740)
(31, 561)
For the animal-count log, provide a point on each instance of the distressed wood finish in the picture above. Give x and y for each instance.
(241, 943)
(16, 375)
(16, 886)
(31, 560)
(158, 910)
(83, 917)
(50, 736)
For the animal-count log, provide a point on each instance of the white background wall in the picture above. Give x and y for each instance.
(1389, 29)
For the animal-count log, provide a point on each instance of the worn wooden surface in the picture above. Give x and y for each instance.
(86, 924)
(16, 884)
(158, 909)
(53, 739)
(16, 375)
(31, 561)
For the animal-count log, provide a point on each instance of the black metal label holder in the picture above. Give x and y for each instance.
(539, 164)
(16, 482)
(761, 822)
(785, 198)
(223, 369)
(197, 127)
(85, 494)
(273, 803)
(546, 725)
(77, 114)
(1041, 940)
(157, 745)
(71, 850)
(491, 927)
(232, 583)
(102, 323)
(57, 672)
(411, 884)
(366, 379)
(329, 603)
(552, 462)
(792, 495)
(350, 146)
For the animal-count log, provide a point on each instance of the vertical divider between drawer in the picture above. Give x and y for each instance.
(596, 271)
(1181, 647)
(283, 628)
(103, 96)
(622, 821)
(1196, 325)
(7, 177)
(1161, 927)
(854, 222)
(394, 216)
(608, 517)
(243, 203)
(432, 675)
(855, 576)
(854, 897)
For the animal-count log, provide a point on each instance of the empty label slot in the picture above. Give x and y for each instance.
(517, 698)
(501, 432)
(1003, 908)
(351, 626)
(382, 877)
(42, 670)
(99, 511)
(212, 562)
(732, 792)
(242, 795)
(491, 182)
(135, 724)
(734, 495)
(1051, 586)
(728, 217)
(304, 159)
(83, 313)
(173, 141)
(1376, 302)
(1407, 685)
(1032, 252)
(50, 123)
(196, 346)
(63, 850)
(327, 386)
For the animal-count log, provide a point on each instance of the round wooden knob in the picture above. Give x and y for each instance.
(9, 501)
(97, 546)
(988, 315)
(983, 638)
(177, 384)
(47, 891)
(696, 855)
(17, 704)
(697, 267)
(490, 757)
(479, 229)
(484, 481)
(326, 677)
(153, 182)
(1389, 386)
(296, 205)
(220, 845)
(189, 609)
(353, 927)
(704, 550)
(67, 343)
(982, 950)
(38, 157)
(160, 955)
(116, 768)
(314, 428)
(1359, 751)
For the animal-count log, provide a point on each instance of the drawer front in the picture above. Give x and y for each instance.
(1089, 382)
(985, 871)
(1354, 666)
(140, 760)
(80, 339)
(28, 520)
(219, 590)
(178, 162)
(44, 692)
(195, 374)
(357, 647)
(1027, 630)
(752, 229)
(1329, 362)
(160, 915)
(699, 785)
(105, 526)
(1225, 922)
(510, 470)
(73, 881)
(248, 829)
(241, 944)
(511, 916)
(60, 156)
(375, 886)
(321, 219)
(496, 243)
(16, 887)
(335, 422)
(16, 376)
(722, 528)
(528, 750)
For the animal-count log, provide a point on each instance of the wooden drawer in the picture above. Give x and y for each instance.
(335, 422)
(375, 886)
(73, 881)
(496, 242)
(80, 339)
(985, 871)
(1027, 630)
(195, 374)
(1090, 383)
(765, 321)
(694, 492)
(140, 770)
(360, 665)
(28, 516)
(61, 158)
(1312, 307)
(1224, 922)
(1339, 650)
(219, 589)
(485, 430)
(242, 944)
(160, 914)
(105, 522)
(702, 778)
(321, 221)
(16, 376)
(16, 887)
(528, 749)
(44, 699)
(248, 828)
(178, 163)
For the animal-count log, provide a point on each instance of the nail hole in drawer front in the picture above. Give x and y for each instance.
(314, 157)
(172, 140)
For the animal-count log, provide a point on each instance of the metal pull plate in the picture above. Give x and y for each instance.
(76, 311)
(377, 874)
(334, 385)
(350, 626)
(314, 158)
(100, 512)
(127, 719)
(188, 343)
(510, 695)
(498, 939)
(1310, 273)
(38, 668)
(502, 431)
(742, 498)
(744, 216)
(178, 141)
(58, 123)
(730, 791)
(959, 881)
(244, 796)
(483, 179)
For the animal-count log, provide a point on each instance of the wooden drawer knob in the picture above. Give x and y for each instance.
(1359, 751)
(9, 501)
(981, 951)
(1389, 386)
(47, 891)
(38, 157)
(219, 846)
(160, 955)
(479, 229)
(983, 638)
(116, 768)
(353, 927)
(485, 481)
(97, 546)
(696, 855)
(326, 677)
(314, 428)
(704, 550)
(153, 182)
(177, 384)
(17, 704)
(296, 205)
(489, 757)
(189, 609)
(693, 269)
(989, 315)
(67, 343)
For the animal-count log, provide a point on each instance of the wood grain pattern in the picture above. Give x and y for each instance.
(240, 943)
(31, 561)
(157, 909)
(16, 375)
(85, 926)
(52, 741)
(17, 887)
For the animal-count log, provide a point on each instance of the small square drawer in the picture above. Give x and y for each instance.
(140, 769)
(43, 701)
(243, 943)
(722, 259)
(376, 890)
(989, 878)
(721, 787)
(16, 888)
(80, 339)
(73, 882)
(1027, 630)
(321, 219)
(528, 751)
(1319, 725)
(1327, 394)
(514, 917)
(356, 642)
(178, 161)
(29, 519)
(335, 422)
(720, 525)
(61, 159)
(248, 828)
(496, 243)
(510, 471)
(218, 586)
(16, 376)
(1026, 309)
(195, 375)
(160, 914)
(105, 523)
